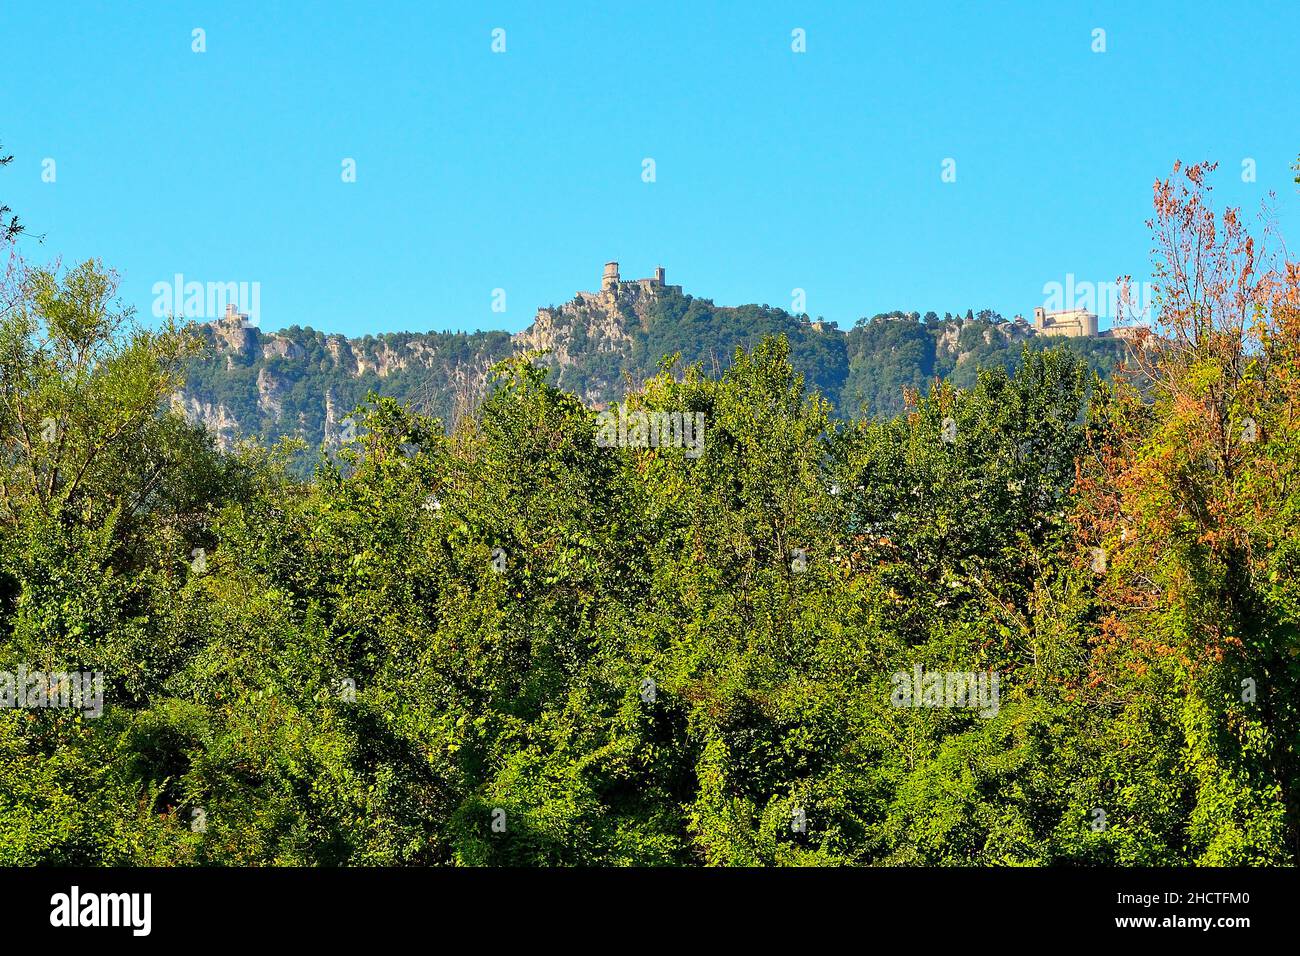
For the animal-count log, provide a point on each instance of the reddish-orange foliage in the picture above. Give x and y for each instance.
(1185, 488)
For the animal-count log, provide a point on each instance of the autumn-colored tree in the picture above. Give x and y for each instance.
(1190, 501)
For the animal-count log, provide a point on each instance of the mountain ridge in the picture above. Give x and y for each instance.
(300, 382)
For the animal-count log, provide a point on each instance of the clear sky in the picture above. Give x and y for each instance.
(523, 170)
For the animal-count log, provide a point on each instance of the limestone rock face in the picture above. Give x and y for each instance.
(592, 323)
(233, 336)
(216, 418)
(302, 383)
(268, 389)
(276, 346)
(948, 339)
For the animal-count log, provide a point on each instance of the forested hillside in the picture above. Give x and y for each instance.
(1039, 617)
(301, 383)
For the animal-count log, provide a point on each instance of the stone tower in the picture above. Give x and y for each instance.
(609, 281)
(659, 275)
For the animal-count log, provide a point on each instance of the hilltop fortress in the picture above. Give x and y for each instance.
(1070, 323)
(606, 319)
(611, 283)
(614, 288)
(1081, 324)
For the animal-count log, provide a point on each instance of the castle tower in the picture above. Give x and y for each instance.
(609, 281)
(1040, 318)
(659, 275)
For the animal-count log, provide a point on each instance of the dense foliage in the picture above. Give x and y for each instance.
(509, 643)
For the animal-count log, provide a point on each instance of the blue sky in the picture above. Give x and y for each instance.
(522, 170)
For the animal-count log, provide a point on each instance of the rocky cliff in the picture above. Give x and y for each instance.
(303, 383)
